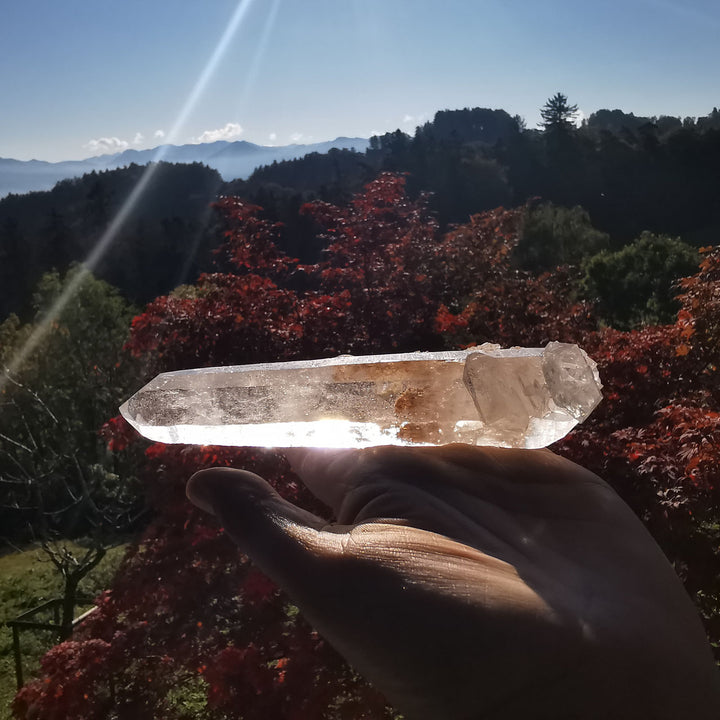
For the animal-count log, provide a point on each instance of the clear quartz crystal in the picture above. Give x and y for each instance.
(519, 397)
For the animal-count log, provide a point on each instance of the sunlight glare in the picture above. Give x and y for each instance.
(108, 237)
(253, 70)
(327, 433)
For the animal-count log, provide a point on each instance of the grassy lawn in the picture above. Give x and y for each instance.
(27, 579)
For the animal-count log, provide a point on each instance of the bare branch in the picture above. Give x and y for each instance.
(60, 511)
(15, 442)
(19, 465)
(55, 557)
(26, 424)
(11, 480)
(30, 392)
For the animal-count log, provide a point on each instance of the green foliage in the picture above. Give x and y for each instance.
(615, 121)
(166, 237)
(553, 235)
(341, 170)
(378, 288)
(55, 471)
(478, 125)
(188, 699)
(637, 284)
(389, 280)
(558, 114)
(28, 579)
(462, 182)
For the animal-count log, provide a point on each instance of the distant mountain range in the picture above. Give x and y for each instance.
(232, 160)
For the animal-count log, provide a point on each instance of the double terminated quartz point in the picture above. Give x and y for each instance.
(520, 397)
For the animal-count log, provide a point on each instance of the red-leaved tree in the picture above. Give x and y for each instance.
(189, 628)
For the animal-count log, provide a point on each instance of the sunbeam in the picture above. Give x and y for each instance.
(209, 69)
(252, 73)
(108, 237)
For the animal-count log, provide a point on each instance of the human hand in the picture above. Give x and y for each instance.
(478, 583)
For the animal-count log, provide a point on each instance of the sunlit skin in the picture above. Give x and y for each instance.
(478, 583)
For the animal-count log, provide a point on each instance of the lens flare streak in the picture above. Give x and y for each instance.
(108, 237)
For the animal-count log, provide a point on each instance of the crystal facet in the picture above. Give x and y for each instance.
(519, 397)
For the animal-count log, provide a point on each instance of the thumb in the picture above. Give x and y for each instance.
(351, 584)
(278, 536)
(301, 553)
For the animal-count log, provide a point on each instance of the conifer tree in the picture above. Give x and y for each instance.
(557, 114)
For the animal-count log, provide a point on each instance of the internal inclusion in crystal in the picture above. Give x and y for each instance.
(519, 397)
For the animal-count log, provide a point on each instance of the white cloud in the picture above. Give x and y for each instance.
(579, 117)
(414, 119)
(229, 132)
(272, 137)
(107, 145)
(296, 137)
(139, 137)
(159, 134)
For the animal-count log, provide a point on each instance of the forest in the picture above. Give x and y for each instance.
(476, 229)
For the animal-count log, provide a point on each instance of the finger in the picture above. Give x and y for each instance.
(327, 473)
(330, 473)
(333, 474)
(371, 589)
(247, 496)
(383, 595)
(363, 484)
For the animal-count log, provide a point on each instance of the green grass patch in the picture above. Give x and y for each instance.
(28, 579)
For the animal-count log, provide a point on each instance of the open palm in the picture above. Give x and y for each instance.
(479, 583)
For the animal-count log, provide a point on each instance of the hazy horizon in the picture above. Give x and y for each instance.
(91, 78)
(179, 144)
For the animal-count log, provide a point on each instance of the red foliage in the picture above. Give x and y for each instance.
(117, 433)
(233, 319)
(519, 309)
(251, 241)
(656, 438)
(642, 371)
(699, 318)
(188, 610)
(495, 302)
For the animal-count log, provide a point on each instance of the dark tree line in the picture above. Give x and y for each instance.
(629, 174)
(166, 239)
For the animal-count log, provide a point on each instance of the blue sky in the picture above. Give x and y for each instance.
(82, 77)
